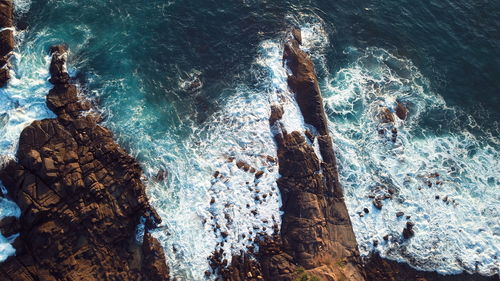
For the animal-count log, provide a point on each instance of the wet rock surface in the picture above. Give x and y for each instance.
(6, 39)
(81, 198)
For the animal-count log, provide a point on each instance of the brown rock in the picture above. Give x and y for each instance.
(259, 174)
(154, 264)
(316, 230)
(297, 35)
(380, 269)
(408, 231)
(81, 199)
(401, 110)
(304, 84)
(385, 115)
(276, 114)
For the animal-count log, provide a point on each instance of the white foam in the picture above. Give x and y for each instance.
(185, 206)
(270, 60)
(240, 130)
(22, 6)
(460, 235)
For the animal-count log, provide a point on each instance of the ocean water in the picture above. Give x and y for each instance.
(186, 87)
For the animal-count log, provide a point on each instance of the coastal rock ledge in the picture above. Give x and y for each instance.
(81, 198)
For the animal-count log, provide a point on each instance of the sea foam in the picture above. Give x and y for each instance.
(447, 182)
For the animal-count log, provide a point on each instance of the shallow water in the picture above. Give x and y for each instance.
(185, 86)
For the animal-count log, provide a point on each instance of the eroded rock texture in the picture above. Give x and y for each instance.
(81, 198)
(6, 39)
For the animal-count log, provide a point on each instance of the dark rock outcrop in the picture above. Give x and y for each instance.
(81, 198)
(6, 39)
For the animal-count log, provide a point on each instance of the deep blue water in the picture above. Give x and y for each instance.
(137, 59)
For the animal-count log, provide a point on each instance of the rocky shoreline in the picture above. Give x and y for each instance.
(85, 214)
(81, 198)
(316, 241)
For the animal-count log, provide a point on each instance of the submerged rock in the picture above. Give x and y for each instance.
(9, 226)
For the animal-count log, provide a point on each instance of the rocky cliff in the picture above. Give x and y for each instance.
(81, 198)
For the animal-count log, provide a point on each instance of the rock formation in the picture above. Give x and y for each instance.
(316, 237)
(316, 241)
(6, 39)
(81, 198)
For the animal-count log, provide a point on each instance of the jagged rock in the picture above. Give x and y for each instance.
(57, 72)
(297, 35)
(81, 199)
(154, 264)
(316, 230)
(243, 166)
(377, 202)
(162, 175)
(304, 84)
(259, 174)
(380, 269)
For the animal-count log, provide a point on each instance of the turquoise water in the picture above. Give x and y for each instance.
(186, 85)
